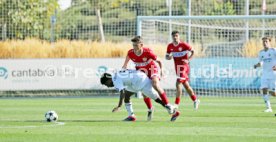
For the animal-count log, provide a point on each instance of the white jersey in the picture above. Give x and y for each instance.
(268, 60)
(125, 79)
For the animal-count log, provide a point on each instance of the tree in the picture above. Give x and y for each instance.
(99, 5)
(222, 8)
(76, 2)
(26, 18)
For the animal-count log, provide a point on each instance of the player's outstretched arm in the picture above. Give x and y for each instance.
(126, 62)
(160, 65)
(192, 54)
(122, 96)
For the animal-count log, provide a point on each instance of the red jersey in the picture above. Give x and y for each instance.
(180, 53)
(145, 61)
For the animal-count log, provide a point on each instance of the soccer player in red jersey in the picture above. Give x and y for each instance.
(179, 52)
(145, 60)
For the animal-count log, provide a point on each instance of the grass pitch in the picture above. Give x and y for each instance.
(91, 119)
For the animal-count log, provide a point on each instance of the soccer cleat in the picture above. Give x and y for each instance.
(196, 104)
(170, 108)
(150, 114)
(130, 118)
(175, 115)
(268, 110)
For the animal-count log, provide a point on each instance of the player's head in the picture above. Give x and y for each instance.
(175, 36)
(106, 80)
(266, 41)
(137, 42)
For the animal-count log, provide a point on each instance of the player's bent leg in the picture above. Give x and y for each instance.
(156, 84)
(266, 100)
(149, 91)
(150, 108)
(159, 101)
(265, 83)
(161, 92)
(128, 106)
(150, 114)
(170, 108)
(178, 93)
(192, 94)
(147, 101)
(189, 90)
(129, 109)
(128, 94)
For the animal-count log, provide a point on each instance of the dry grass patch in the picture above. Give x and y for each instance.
(34, 48)
(253, 46)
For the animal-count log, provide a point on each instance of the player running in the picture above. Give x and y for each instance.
(128, 82)
(145, 60)
(179, 52)
(267, 59)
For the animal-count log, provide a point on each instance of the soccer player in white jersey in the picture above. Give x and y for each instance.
(267, 59)
(128, 82)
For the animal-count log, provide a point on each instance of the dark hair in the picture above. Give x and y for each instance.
(137, 39)
(105, 77)
(175, 32)
(266, 38)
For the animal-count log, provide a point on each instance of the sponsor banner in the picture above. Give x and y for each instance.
(225, 73)
(54, 74)
(64, 74)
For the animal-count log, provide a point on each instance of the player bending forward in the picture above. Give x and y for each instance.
(128, 82)
(267, 59)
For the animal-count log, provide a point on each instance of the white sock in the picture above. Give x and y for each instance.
(129, 109)
(266, 100)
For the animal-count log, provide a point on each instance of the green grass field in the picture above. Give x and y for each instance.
(91, 119)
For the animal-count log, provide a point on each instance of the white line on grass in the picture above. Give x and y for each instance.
(31, 126)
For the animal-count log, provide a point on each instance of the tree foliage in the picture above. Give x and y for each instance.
(31, 18)
(222, 8)
(26, 18)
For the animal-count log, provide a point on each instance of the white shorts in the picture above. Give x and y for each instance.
(147, 90)
(269, 84)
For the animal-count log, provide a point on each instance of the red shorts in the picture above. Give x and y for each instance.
(150, 72)
(182, 72)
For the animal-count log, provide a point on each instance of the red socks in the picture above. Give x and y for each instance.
(193, 97)
(164, 98)
(148, 102)
(177, 100)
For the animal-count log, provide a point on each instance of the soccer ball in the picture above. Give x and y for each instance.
(51, 116)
